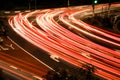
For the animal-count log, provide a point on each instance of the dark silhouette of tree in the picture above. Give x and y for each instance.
(3, 27)
(51, 75)
(1, 74)
(90, 69)
(61, 74)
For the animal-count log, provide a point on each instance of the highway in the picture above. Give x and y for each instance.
(105, 37)
(43, 29)
(17, 62)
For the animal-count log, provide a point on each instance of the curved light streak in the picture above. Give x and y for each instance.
(56, 40)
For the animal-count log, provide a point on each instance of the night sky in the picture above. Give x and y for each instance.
(24, 4)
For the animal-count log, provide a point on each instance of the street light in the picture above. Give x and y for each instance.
(95, 1)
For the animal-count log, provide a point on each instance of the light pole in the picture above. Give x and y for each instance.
(109, 5)
(35, 4)
(68, 3)
(29, 5)
(94, 2)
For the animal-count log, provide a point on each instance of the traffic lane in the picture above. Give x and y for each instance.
(19, 53)
(22, 65)
(16, 52)
(42, 23)
(7, 69)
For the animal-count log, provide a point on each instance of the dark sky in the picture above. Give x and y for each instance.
(24, 4)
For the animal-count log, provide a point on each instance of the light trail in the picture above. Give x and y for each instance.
(105, 36)
(56, 40)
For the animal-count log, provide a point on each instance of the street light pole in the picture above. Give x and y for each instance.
(29, 5)
(35, 4)
(68, 3)
(94, 2)
(109, 5)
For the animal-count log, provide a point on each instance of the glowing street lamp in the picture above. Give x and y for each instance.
(95, 1)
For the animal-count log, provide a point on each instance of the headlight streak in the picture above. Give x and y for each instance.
(110, 38)
(49, 21)
(57, 40)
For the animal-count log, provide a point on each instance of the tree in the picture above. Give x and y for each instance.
(90, 69)
(51, 75)
(60, 74)
(1, 74)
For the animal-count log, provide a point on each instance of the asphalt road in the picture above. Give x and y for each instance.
(17, 57)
